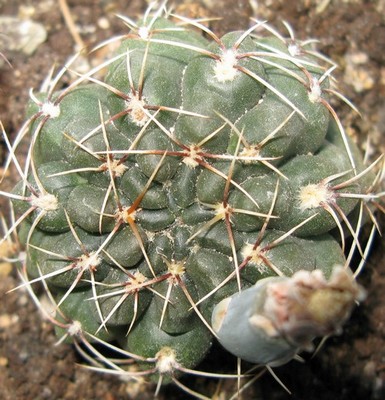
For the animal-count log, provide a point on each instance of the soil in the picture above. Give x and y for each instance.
(350, 366)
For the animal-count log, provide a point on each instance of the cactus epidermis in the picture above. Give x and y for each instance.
(197, 175)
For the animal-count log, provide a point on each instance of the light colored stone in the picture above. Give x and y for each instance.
(22, 35)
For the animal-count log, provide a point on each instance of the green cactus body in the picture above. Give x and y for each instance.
(194, 172)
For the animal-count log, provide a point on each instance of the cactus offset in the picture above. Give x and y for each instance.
(203, 189)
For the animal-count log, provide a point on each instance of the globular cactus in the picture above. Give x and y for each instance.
(189, 190)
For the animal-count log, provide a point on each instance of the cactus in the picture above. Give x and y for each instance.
(198, 190)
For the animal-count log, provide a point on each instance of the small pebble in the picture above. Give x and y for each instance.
(7, 320)
(22, 35)
(3, 361)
